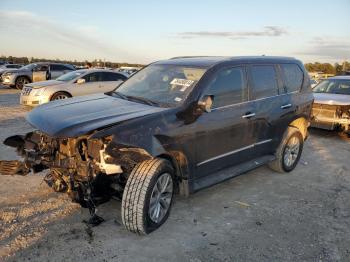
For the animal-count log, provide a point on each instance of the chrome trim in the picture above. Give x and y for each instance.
(249, 115)
(286, 106)
(263, 142)
(240, 103)
(234, 151)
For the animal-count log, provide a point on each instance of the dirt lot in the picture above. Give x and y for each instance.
(260, 216)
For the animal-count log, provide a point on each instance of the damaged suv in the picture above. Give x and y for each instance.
(167, 130)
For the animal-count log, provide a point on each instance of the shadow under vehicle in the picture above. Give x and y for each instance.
(168, 129)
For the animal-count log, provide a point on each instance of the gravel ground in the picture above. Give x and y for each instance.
(259, 216)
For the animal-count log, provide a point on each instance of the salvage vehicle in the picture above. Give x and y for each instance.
(331, 108)
(5, 67)
(168, 129)
(34, 72)
(75, 83)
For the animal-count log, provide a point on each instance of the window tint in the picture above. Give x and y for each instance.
(293, 77)
(264, 81)
(228, 87)
(93, 77)
(39, 68)
(110, 76)
(55, 67)
(333, 86)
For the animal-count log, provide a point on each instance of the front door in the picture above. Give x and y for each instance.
(223, 136)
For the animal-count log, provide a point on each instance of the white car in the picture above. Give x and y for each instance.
(76, 83)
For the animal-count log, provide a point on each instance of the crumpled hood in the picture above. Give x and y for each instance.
(45, 83)
(331, 99)
(77, 116)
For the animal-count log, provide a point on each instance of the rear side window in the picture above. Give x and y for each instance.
(264, 81)
(110, 76)
(228, 87)
(293, 77)
(55, 67)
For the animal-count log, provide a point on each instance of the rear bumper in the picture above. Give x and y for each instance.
(330, 123)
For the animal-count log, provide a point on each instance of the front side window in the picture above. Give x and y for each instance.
(110, 76)
(333, 86)
(264, 81)
(228, 87)
(293, 77)
(163, 84)
(93, 77)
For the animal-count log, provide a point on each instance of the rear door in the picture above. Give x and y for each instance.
(292, 78)
(264, 92)
(57, 70)
(223, 136)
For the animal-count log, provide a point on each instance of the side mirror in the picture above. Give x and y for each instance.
(81, 81)
(205, 103)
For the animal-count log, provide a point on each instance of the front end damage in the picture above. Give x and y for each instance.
(331, 117)
(91, 171)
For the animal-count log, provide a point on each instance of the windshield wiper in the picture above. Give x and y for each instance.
(120, 95)
(142, 99)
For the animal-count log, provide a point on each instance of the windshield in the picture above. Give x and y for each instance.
(28, 67)
(71, 75)
(333, 86)
(162, 84)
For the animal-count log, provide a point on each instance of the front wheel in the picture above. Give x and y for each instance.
(60, 96)
(148, 196)
(289, 151)
(21, 81)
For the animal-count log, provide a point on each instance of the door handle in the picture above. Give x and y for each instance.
(286, 106)
(248, 115)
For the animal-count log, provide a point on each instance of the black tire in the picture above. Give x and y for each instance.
(279, 164)
(21, 81)
(137, 195)
(60, 96)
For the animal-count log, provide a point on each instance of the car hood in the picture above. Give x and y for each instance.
(331, 99)
(78, 116)
(16, 70)
(45, 83)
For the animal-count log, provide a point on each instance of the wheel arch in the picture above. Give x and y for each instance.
(301, 124)
(24, 76)
(61, 91)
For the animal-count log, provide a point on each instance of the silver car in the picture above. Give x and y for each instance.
(34, 72)
(331, 108)
(76, 83)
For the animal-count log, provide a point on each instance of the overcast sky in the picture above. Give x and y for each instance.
(144, 31)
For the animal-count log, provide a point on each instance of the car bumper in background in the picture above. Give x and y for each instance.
(328, 117)
(28, 99)
(8, 80)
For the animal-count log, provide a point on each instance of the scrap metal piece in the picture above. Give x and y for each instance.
(13, 167)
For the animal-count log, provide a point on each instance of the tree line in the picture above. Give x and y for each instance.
(95, 62)
(327, 68)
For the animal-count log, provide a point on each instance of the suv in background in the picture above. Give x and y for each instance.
(167, 129)
(5, 67)
(34, 72)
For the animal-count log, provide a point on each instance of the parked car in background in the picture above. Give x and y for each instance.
(5, 67)
(34, 72)
(313, 83)
(168, 129)
(331, 108)
(75, 83)
(130, 70)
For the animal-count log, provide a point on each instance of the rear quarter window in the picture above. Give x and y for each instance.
(264, 81)
(292, 77)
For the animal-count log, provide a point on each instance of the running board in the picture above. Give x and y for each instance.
(230, 172)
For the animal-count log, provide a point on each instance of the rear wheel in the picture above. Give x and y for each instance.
(60, 96)
(148, 196)
(21, 81)
(289, 151)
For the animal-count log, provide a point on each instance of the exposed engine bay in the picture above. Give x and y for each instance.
(91, 171)
(331, 117)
